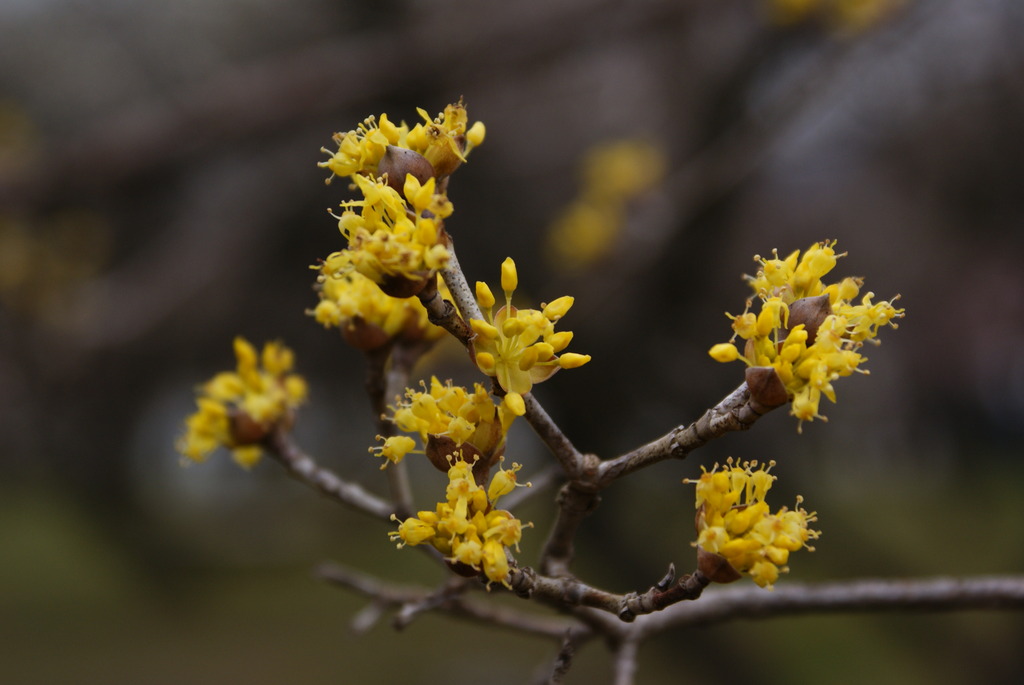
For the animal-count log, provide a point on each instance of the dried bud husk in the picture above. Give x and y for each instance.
(766, 387)
(364, 336)
(245, 430)
(401, 286)
(811, 312)
(440, 447)
(464, 570)
(398, 162)
(715, 567)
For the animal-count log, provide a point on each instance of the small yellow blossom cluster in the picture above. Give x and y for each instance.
(368, 318)
(466, 528)
(807, 332)
(448, 418)
(444, 142)
(239, 409)
(846, 15)
(519, 347)
(614, 173)
(395, 233)
(44, 261)
(394, 238)
(734, 522)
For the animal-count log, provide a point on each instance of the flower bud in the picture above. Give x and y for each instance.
(571, 360)
(484, 296)
(724, 352)
(509, 276)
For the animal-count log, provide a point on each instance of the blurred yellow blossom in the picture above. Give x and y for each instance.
(520, 347)
(848, 16)
(734, 521)
(613, 174)
(809, 333)
(239, 409)
(466, 527)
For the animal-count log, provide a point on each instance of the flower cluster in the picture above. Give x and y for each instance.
(368, 318)
(449, 420)
(444, 142)
(734, 522)
(807, 333)
(395, 233)
(466, 528)
(239, 409)
(394, 238)
(519, 347)
(614, 174)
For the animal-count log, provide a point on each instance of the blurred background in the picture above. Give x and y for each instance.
(159, 195)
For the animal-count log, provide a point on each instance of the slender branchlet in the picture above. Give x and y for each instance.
(303, 468)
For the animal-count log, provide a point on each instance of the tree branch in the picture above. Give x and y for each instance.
(449, 600)
(569, 592)
(624, 665)
(932, 594)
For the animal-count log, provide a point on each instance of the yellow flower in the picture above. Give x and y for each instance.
(444, 140)
(734, 521)
(361, 149)
(810, 333)
(239, 409)
(520, 347)
(466, 527)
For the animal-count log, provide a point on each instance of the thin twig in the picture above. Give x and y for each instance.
(738, 411)
(403, 358)
(538, 483)
(443, 313)
(463, 296)
(555, 672)
(304, 468)
(561, 447)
